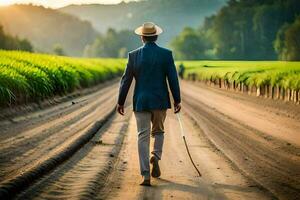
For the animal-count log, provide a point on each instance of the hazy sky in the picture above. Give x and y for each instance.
(59, 3)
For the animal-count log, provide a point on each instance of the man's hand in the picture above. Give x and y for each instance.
(177, 107)
(120, 109)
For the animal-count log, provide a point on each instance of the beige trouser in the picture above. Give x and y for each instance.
(144, 120)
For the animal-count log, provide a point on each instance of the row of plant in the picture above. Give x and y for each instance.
(27, 77)
(272, 79)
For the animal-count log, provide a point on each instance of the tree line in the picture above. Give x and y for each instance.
(240, 30)
(113, 44)
(172, 15)
(245, 30)
(47, 28)
(9, 42)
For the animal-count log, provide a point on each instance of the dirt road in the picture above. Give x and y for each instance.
(261, 137)
(34, 143)
(179, 180)
(246, 148)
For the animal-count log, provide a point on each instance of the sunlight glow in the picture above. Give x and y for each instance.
(58, 3)
(5, 2)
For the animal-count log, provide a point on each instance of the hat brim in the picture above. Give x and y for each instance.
(139, 31)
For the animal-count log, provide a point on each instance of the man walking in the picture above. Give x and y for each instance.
(151, 66)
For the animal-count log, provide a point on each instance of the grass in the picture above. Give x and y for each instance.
(250, 73)
(26, 77)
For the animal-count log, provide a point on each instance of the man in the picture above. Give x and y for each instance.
(151, 66)
(181, 71)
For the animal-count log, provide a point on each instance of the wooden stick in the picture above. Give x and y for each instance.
(185, 143)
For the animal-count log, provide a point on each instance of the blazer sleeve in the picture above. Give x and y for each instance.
(173, 79)
(125, 82)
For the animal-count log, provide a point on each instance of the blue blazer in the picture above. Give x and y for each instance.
(151, 66)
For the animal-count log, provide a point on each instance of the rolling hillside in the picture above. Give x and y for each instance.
(172, 15)
(47, 27)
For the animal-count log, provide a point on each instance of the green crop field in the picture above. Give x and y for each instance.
(275, 79)
(26, 77)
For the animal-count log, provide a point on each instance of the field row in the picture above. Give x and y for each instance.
(273, 79)
(26, 77)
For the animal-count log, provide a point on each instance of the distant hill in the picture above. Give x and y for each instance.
(172, 15)
(47, 27)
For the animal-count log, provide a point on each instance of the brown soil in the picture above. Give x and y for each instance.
(245, 147)
(82, 176)
(179, 180)
(29, 139)
(257, 136)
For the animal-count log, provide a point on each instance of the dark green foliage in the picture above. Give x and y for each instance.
(190, 44)
(287, 43)
(25, 45)
(247, 29)
(13, 43)
(113, 44)
(58, 50)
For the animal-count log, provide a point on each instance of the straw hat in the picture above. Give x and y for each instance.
(148, 29)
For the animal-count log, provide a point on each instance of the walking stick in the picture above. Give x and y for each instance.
(186, 146)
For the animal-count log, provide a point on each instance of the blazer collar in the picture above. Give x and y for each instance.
(150, 44)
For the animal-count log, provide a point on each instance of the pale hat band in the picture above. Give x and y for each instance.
(148, 29)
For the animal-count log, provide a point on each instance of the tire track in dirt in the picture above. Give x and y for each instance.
(179, 180)
(85, 172)
(25, 132)
(43, 139)
(284, 128)
(27, 160)
(265, 160)
(26, 120)
(229, 153)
